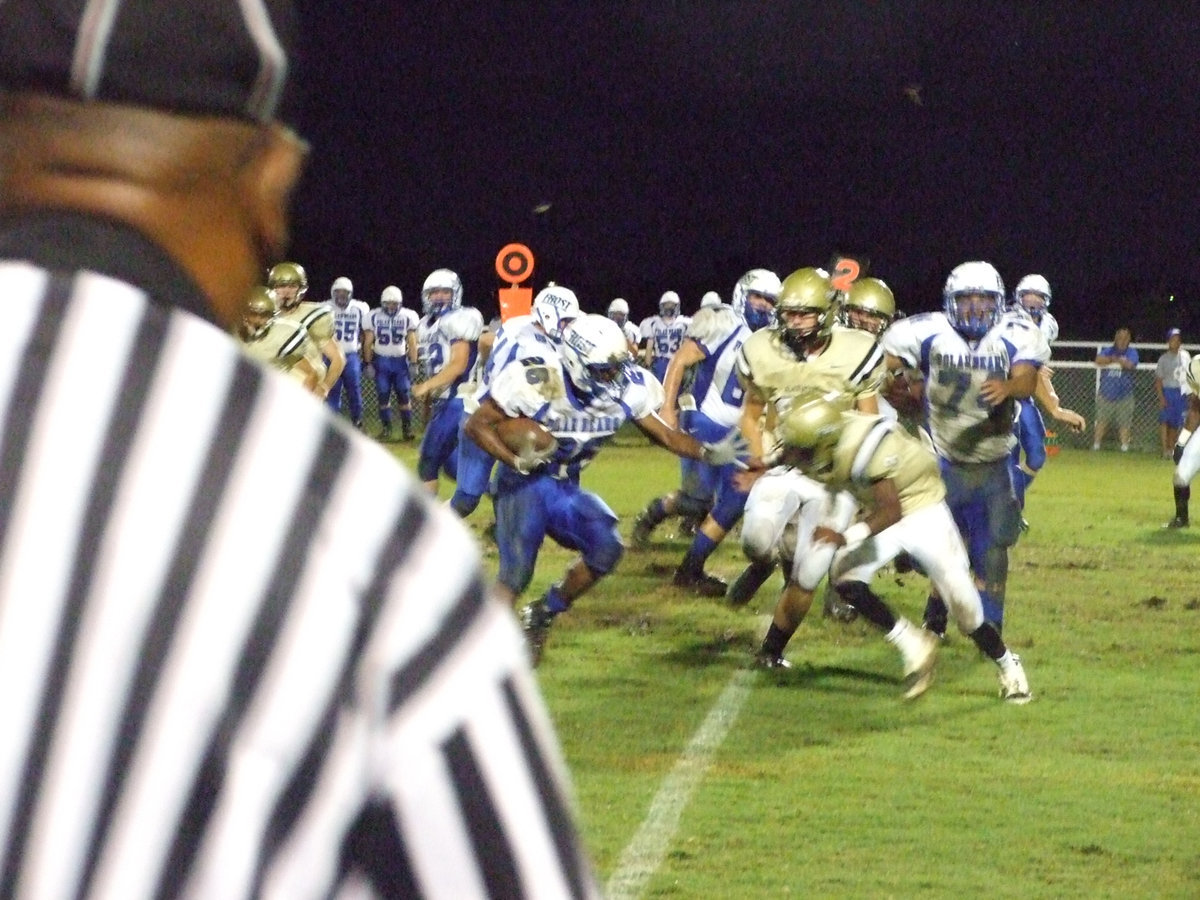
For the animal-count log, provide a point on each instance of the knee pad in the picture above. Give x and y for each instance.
(758, 540)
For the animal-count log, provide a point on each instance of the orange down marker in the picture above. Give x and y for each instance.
(514, 264)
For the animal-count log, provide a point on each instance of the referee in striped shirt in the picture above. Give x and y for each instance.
(241, 654)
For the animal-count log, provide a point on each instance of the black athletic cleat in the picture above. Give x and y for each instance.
(700, 582)
(1177, 522)
(834, 607)
(765, 659)
(642, 529)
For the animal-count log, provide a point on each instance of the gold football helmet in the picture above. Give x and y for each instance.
(805, 293)
(289, 281)
(809, 432)
(868, 306)
(257, 314)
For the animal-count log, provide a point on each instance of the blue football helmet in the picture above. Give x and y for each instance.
(596, 357)
(757, 281)
(974, 298)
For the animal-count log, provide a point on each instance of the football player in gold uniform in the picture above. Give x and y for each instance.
(280, 343)
(289, 282)
(898, 482)
(805, 353)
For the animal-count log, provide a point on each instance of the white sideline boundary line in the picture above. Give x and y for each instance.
(645, 852)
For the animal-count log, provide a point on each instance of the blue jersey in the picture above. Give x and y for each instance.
(964, 427)
(719, 332)
(535, 385)
(435, 335)
(392, 331)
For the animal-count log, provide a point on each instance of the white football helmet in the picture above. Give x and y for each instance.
(441, 280)
(596, 356)
(391, 299)
(1033, 284)
(342, 290)
(710, 299)
(757, 281)
(618, 311)
(974, 298)
(554, 308)
(668, 305)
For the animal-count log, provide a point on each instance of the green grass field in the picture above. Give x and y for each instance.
(827, 784)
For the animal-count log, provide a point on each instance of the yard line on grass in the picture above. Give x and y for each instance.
(644, 854)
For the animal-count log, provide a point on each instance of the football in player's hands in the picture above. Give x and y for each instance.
(522, 434)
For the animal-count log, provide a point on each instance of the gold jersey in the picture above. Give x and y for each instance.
(282, 344)
(850, 365)
(872, 448)
(317, 321)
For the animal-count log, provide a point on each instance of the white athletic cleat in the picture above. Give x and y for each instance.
(919, 658)
(1014, 686)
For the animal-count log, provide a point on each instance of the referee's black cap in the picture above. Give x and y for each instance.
(201, 57)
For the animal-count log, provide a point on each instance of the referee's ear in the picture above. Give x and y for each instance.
(267, 180)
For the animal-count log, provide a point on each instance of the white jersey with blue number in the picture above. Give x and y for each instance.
(664, 335)
(349, 322)
(435, 334)
(964, 428)
(720, 333)
(534, 384)
(391, 332)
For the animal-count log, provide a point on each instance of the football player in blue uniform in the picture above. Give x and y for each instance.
(552, 310)
(447, 347)
(710, 410)
(352, 332)
(582, 391)
(394, 351)
(662, 334)
(976, 362)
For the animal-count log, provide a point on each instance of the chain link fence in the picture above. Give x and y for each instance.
(1076, 378)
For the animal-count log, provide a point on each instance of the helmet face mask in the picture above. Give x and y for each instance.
(1033, 303)
(1033, 296)
(754, 298)
(668, 305)
(974, 299)
(391, 299)
(341, 291)
(868, 306)
(554, 308)
(257, 315)
(596, 357)
(289, 282)
(441, 292)
(805, 311)
(618, 311)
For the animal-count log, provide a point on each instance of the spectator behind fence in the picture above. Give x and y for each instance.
(241, 652)
(1114, 393)
(1168, 379)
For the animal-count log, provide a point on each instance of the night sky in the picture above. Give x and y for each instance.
(678, 144)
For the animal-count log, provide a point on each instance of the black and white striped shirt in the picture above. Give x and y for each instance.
(241, 653)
